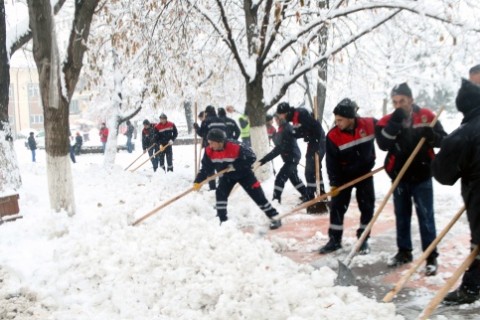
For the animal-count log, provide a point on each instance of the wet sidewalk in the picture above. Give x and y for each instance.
(303, 234)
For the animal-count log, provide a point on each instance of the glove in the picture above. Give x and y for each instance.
(195, 125)
(333, 191)
(257, 165)
(231, 167)
(170, 142)
(306, 139)
(196, 186)
(427, 133)
(398, 115)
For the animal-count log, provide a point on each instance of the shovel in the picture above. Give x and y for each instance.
(325, 195)
(345, 275)
(138, 157)
(181, 195)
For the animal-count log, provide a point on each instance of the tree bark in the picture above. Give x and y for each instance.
(9, 172)
(55, 96)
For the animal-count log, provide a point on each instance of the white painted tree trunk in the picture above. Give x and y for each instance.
(10, 180)
(259, 139)
(60, 184)
(111, 146)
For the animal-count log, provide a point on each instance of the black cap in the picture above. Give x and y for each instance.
(402, 89)
(221, 112)
(468, 97)
(146, 122)
(346, 108)
(268, 117)
(216, 135)
(283, 107)
(163, 116)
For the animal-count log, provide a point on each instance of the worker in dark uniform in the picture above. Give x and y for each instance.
(149, 139)
(221, 154)
(286, 146)
(166, 135)
(350, 154)
(306, 127)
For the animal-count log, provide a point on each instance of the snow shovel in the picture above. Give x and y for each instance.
(162, 148)
(325, 195)
(138, 157)
(444, 290)
(320, 207)
(163, 205)
(399, 285)
(345, 275)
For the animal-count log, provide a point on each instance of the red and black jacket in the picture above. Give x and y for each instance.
(148, 136)
(165, 132)
(233, 153)
(400, 139)
(350, 154)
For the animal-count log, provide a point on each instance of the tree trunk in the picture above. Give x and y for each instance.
(255, 108)
(55, 93)
(9, 171)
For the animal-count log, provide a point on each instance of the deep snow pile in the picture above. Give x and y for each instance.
(178, 264)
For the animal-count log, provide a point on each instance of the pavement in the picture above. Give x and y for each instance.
(302, 234)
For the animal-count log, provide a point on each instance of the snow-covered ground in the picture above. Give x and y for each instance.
(178, 264)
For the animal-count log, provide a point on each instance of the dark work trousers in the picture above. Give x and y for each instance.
(365, 195)
(161, 157)
(154, 160)
(310, 176)
(287, 172)
(252, 187)
(422, 194)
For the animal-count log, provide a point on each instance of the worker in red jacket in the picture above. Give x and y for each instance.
(166, 135)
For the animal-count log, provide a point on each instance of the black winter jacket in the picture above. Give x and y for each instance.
(459, 158)
(210, 122)
(400, 139)
(149, 136)
(285, 145)
(305, 126)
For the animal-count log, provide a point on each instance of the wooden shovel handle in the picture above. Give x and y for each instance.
(138, 157)
(399, 285)
(178, 196)
(325, 195)
(449, 284)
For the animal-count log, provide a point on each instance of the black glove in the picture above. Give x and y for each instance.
(195, 125)
(306, 139)
(427, 133)
(262, 161)
(398, 115)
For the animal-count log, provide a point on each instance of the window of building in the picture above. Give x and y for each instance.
(33, 90)
(36, 118)
(74, 107)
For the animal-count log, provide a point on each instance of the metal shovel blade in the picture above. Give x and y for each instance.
(345, 276)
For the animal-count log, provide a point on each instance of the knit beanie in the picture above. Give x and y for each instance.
(283, 107)
(468, 97)
(346, 108)
(402, 89)
(216, 135)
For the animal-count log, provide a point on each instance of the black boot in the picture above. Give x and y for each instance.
(364, 248)
(331, 246)
(275, 224)
(432, 265)
(402, 257)
(461, 296)
(334, 242)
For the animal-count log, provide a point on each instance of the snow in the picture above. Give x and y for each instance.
(178, 264)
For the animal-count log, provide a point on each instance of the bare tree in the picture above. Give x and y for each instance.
(57, 85)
